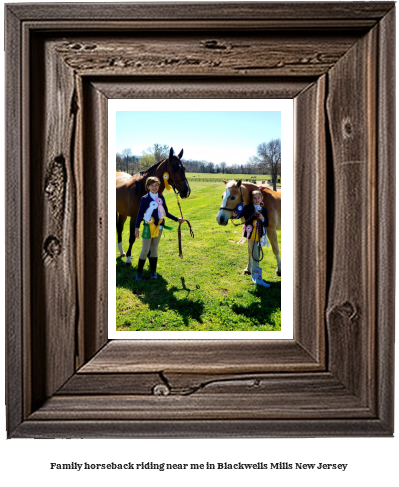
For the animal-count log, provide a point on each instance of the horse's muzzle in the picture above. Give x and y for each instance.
(222, 219)
(185, 193)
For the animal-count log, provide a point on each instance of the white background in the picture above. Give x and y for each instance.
(285, 107)
(371, 461)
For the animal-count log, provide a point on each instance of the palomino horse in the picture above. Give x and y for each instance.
(130, 189)
(237, 192)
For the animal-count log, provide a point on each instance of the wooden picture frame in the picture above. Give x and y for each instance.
(335, 378)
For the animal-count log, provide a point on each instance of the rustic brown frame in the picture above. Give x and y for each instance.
(336, 376)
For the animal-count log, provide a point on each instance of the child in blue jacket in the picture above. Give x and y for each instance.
(152, 211)
(260, 217)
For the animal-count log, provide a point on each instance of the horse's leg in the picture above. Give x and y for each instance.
(120, 221)
(132, 239)
(272, 236)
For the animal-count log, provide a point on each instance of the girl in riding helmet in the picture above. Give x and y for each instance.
(259, 214)
(152, 211)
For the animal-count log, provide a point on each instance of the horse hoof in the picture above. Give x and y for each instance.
(246, 272)
(278, 273)
(128, 264)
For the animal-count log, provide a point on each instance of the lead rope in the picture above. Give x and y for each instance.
(179, 229)
(258, 232)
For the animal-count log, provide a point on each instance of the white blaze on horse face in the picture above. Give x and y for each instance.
(226, 197)
(224, 202)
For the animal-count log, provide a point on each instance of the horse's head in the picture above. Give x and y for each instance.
(177, 174)
(231, 198)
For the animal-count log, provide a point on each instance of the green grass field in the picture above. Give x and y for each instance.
(206, 289)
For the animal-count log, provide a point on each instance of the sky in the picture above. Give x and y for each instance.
(213, 136)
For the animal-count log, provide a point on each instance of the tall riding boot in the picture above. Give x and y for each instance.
(257, 277)
(153, 267)
(140, 266)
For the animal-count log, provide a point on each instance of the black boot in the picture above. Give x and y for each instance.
(140, 266)
(153, 267)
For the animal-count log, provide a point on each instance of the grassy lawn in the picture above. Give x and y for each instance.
(206, 289)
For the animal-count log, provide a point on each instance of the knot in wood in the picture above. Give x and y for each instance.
(51, 249)
(50, 188)
(213, 44)
(161, 390)
(347, 128)
(349, 310)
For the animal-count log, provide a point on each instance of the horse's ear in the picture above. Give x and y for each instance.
(181, 154)
(171, 152)
(239, 183)
(225, 182)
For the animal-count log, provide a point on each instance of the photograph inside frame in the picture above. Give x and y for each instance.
(197, 246)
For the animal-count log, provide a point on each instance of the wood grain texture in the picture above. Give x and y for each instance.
(360, 13)
(385, 224)
(200, 356)
(185, 384)
(95, 201)
(15, 258)
(192, 428)
(203, 407)
(218, 55)
(310, 229)
(335, 377)
(197, 87)
(53, 223)
(351, 307)
(111, 384)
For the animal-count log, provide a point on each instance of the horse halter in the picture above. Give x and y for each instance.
(179, 181)
(236, 208)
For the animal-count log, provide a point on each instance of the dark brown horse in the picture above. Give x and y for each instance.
(130, 190)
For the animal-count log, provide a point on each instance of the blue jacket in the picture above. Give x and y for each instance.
(249, 210)
(145, 203)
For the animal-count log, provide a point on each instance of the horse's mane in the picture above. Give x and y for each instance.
(232, 183)
(139, 177)
(155, 166)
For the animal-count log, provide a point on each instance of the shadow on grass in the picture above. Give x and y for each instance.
(156, 295)
(262, 311)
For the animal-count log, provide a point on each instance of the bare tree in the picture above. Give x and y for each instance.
(223, 166)
(135, 164)
(119, 162)
(159, 151)
(268, 159)
(127, 154)
(202, 165)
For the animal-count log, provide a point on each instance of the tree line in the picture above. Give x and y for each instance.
(266, 161)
